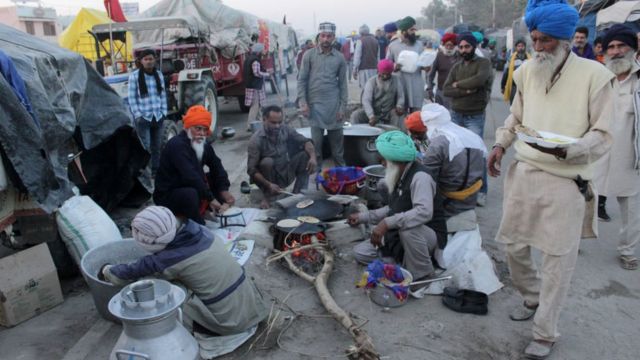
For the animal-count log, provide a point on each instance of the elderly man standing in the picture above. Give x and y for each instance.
(445, 59)
(382, 99)
(322, 93)
(548, 202)
(623, 166)
(412, 82)
(191, 179)
(401, 232)
(278, 155)
(365, 58)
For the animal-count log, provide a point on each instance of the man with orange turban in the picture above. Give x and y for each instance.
(191, 178)
(382, 98)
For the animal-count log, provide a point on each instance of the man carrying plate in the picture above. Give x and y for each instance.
(548, 199)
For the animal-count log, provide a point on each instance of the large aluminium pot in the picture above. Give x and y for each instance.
(116, 252)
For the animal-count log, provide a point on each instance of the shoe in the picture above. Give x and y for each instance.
(523, 312)
(538, 350)
(465, 301)
(602, 213)
(628, 262)
(245, 188)
(481, 200)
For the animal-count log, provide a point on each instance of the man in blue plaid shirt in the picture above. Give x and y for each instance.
(148, 103)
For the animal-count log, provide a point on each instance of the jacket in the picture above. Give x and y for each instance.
(473, 90)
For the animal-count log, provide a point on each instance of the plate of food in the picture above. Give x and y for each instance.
(545, 139)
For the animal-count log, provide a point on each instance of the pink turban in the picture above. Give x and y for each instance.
(154, 227)
(385, 66)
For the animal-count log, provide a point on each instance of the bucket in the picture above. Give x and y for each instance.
(382, 295)
(116, 252)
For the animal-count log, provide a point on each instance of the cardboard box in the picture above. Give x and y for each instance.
(29, 285)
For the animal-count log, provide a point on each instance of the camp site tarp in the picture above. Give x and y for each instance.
(619, 13)
(77, 111)
(230, 29)
(76, 37)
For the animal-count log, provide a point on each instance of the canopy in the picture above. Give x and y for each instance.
(78, 39)
(618, 13)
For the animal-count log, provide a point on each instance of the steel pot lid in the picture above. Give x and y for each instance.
(164, 299)
(362, 130)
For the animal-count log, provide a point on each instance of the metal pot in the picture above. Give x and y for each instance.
(152, 323)
(360, 145)
(116, 252)
(374, 174)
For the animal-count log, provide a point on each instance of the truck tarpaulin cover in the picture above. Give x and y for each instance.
(77, 111)
(230, 29)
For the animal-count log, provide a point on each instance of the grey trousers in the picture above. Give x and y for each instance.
(630, 230)
(548, 288)
(336, 142)
(296, 170)
(419, 243)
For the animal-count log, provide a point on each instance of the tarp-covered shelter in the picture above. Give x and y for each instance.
(588, 11)
(77, 38)
(622, 12)
(78, 112)
(229, 29)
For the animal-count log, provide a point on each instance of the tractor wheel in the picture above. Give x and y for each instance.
(203, 92)
(244, 108)
(169, 130)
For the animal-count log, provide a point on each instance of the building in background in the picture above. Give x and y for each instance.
(35, 20)
(130, 8)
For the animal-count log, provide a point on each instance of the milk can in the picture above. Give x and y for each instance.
(152, 323)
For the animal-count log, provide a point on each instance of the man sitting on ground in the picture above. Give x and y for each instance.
(276, 158)
(382, 98)
(401, 232)
(221, 299)
(191, 179)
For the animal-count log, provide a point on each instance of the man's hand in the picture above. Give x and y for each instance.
(455, 85)
(398, 67)
(373, 121)
(340, 115)
(355, 74)
(557, 152)
(228, 198)
(312, 165)
(215, 205)
(378, 233)
(223, 208)
(399, 111)
(274, 188)
(353, 219)
(304, 108)
(430, 95)
(495, 158)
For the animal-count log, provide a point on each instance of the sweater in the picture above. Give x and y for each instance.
(474, 80)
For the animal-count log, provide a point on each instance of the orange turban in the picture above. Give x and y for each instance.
(197, 115)
(413, 122)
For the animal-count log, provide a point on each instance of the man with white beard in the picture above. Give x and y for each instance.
(400, 231)
(622, 169)
(548, 199)
(190, 179)
(442, 65)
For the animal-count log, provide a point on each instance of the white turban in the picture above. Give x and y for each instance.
(154, 227)
(438, 122)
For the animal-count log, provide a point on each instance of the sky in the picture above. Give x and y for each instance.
(348, 15)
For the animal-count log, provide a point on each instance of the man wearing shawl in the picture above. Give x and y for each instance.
(517, 58)
(445, 59)
(221, 300)
(412, 82)
(400, 231)
(454, 158)
(548, 198)
(382, 98)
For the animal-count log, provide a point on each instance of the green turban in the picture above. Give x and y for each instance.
(396, 146)
(406, 23)
(478, 35)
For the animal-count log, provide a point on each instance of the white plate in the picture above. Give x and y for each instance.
(549, 140)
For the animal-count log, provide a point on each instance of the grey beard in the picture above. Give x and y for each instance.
(545, 64)
(447, 52)
(392, 175)
(197, 146)
(621, 65)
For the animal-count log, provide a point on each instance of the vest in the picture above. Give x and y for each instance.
(250, 80)
(563, 110)
(385, 101)
(369, 58)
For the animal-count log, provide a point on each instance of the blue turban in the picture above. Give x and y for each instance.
(390, 27)
(552, 17)
(468, 37)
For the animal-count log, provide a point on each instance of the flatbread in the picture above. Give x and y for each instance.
(309, 219)
(304, 204)
(289, 223)
(527, 131)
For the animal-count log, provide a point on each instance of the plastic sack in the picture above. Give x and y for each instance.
(409, 61)
(427, 58)
(83, 225)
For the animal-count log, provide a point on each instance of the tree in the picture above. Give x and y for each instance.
(443, 13)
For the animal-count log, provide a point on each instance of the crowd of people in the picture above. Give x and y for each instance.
(436, 161)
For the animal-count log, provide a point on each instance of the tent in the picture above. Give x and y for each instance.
(77, 38)
(619, 13)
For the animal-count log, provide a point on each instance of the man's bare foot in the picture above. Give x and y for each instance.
(264, 204)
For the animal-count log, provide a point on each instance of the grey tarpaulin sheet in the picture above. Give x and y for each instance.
(230, 29)
(77, 111)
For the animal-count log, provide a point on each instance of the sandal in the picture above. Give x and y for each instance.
(629, 262)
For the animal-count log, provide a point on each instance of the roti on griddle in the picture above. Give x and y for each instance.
(304, 204)
(309, 219)
(289, 223)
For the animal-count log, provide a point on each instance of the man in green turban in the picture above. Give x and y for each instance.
(401, 231)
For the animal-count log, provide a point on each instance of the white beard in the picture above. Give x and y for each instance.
(197, 144)
(621, 65)
(545, 64)
(392, 175)
(447, 52)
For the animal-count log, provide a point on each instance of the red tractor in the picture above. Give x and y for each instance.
(194, 71)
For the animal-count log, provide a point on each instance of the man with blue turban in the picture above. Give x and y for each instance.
(401, 232)
(549, 200)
